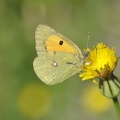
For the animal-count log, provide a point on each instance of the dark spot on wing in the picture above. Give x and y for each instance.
(70, 63)
(61, 42)
(54, 52)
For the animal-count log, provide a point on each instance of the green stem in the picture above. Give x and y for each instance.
(117, 106)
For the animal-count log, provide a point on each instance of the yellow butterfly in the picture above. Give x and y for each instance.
(58, 57)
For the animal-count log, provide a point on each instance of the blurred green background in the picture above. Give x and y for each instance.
(22, 95)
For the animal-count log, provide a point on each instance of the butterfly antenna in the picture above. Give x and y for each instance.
(88, 39)
(87, 50)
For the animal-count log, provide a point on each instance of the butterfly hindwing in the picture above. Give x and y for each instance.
(53, 69)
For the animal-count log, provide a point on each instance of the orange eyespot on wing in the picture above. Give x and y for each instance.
(56, 43)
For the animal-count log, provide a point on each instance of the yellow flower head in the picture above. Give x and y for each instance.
(100, 63)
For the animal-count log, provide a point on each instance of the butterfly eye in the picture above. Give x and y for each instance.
(61, 42)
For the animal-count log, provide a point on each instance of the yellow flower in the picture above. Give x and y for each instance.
(101, 63)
